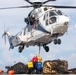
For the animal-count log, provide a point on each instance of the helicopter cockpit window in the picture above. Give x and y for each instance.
(52, 20)
(55, 12)
(50, 17)
(52, 13)
(59, 12)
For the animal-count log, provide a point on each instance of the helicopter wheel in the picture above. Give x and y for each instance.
(59, 41)
(55, 41)
(46, 48)
(21, 48)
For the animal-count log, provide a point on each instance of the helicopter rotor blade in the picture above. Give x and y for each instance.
(29, 1)
(16, 7)
(60, 6)
(47, 1)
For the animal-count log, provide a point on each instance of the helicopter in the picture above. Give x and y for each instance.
(45, 24)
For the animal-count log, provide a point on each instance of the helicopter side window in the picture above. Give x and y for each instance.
(48, 19)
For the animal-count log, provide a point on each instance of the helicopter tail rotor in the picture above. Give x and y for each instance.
(5, 34)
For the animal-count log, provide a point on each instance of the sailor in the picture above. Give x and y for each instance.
(34, 60)
(32, 20)
(39, 58)
(38, 67)
(30, 66)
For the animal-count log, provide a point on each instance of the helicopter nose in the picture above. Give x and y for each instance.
(63, 20)
(66, 19)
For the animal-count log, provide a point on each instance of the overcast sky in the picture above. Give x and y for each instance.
(14, 20)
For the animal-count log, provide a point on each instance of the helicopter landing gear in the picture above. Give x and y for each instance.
(57, 41)
(20, 49)
(46, 48)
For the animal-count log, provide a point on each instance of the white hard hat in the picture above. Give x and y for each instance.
(38, 60)
(33, 15)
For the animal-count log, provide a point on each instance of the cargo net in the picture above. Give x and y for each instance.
(72, 71)
(19, 68)
(55, 66)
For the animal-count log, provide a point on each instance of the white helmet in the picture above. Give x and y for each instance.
(33, 16)
(38, 60)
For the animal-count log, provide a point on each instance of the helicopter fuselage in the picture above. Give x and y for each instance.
(44, 25)
(43, 31)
